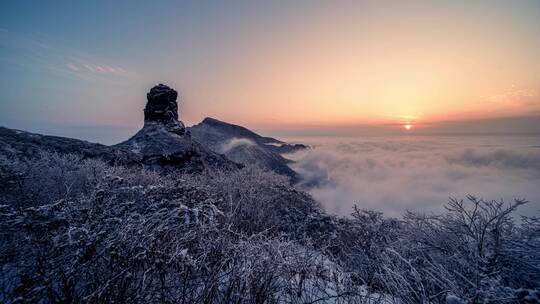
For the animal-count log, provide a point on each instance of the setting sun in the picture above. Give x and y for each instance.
(407, 126)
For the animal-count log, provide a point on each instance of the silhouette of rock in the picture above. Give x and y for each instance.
(161, 105)
(163, 108)
(163, 142)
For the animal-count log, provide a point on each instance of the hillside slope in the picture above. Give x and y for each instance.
(245, 146)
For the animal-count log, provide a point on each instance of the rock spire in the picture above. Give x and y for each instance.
(162, 107)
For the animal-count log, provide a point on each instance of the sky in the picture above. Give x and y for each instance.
(82, 68)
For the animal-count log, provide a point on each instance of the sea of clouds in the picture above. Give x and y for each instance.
(420, 173)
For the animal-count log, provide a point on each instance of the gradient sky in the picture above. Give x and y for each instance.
(82, 68)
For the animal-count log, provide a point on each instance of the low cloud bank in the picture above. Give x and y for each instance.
(236, 142)
(415, 174)
(503, 159)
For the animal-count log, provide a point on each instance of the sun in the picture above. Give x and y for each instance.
(407, 127)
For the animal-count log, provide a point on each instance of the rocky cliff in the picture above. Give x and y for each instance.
(245, 146)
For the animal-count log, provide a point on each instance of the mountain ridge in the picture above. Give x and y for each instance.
(245, 146)
(164, 144)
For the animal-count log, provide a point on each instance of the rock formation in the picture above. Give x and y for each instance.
(163, 142)
(162, 108)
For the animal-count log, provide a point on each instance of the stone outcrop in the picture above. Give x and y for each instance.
(163, 142)
(162, 108)
(161, 105)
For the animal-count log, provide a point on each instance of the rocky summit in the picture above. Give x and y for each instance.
(163, 142)
(162, 108)
(245, 146)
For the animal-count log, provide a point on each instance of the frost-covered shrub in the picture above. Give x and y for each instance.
(361, 239)
(492, 254)
(256, 200)
(124, 235)
(48, 177)
(76, 230)
(475, 251)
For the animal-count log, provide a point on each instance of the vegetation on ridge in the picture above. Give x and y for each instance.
(79, 230)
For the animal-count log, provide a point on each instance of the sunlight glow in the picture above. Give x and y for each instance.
(407, 127)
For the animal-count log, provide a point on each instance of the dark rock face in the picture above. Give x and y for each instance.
(163, 142)
(161, 107)
(165, 150)
(245, 146)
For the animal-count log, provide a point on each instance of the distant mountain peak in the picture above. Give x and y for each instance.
(235, 131)
(216, 122)
(211, 120)
(245, 146)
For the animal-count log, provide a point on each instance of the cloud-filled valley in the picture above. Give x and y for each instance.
(398, 174)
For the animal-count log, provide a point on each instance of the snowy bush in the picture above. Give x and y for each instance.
(78, 230)
(475, 252)
(49, 177)
(121, 235)
(360, 242)
(255, 200)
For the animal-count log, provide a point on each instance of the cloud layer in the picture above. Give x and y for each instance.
(395, 175)
(236, 142)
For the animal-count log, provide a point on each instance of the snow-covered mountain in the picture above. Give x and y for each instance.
(245, 146)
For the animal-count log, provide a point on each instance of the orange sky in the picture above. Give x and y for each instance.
(383, 64)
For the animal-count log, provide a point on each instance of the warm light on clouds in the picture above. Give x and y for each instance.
(515, 98)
